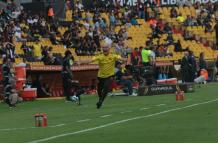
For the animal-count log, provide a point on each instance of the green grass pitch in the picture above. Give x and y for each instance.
(147, 119)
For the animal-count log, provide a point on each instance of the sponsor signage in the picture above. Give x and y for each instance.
(59, 68)
(78, 68)
(159, 2)
(164, 89)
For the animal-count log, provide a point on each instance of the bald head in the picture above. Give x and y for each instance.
(105, 50)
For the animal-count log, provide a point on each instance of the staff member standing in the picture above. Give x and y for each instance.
(67, 77)
(146, 55)
(67, 74)
(186, 68)
(106, 62)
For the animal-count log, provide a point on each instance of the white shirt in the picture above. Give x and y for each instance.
(30, 21)
(86, 25)
(79, 6)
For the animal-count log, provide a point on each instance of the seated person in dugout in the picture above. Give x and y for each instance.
(203, 77)
(124, 77)
(11, 94)
(38, 83)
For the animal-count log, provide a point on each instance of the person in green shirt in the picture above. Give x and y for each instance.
(146, 56)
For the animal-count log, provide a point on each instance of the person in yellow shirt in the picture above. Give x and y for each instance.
(37, 50)
(106, 72)
(180, 18)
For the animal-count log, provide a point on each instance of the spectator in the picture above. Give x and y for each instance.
(167, 28)
(152, 21)
(180, 18)
(141, 10)
(188, 35)
(112, 20)
(203, 76)
(11, 94)
(170, 39)
(197, 8)
(173, 12)
(37, 51)
(2, 51)
(202, 61)
(155, 32)
(124, 78)
(181, 3)
(208, 28)
(188, 3)
(119, 48)
(29, 82)
(18, 33)
(134, 21)
(6, 71)
(79, 6)
(28, 51)
(188, 21)
(178, 46)
(10, 51)
(135, 56)
(51, 60)
(46, 90)
(41, 88)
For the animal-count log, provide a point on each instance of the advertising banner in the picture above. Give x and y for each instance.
(164, 89)
(159, 2)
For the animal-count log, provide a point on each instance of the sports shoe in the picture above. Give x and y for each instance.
(134, 94)
(78, 103)
(98, 104)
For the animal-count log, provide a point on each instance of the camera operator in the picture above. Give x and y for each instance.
(125, 77)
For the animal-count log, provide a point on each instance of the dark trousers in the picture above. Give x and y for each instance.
(67, 88)
(104, 86)
(5, 81)
(71, 88)
(66, 85)
(146, 64)
(76, 90)
(128, 84)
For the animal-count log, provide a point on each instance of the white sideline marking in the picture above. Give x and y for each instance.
(119, 122)
(144, 109)
(14, 129)
(125, 112)
(86, 120)
(57, 125)
(104, 116)
(160, 105)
